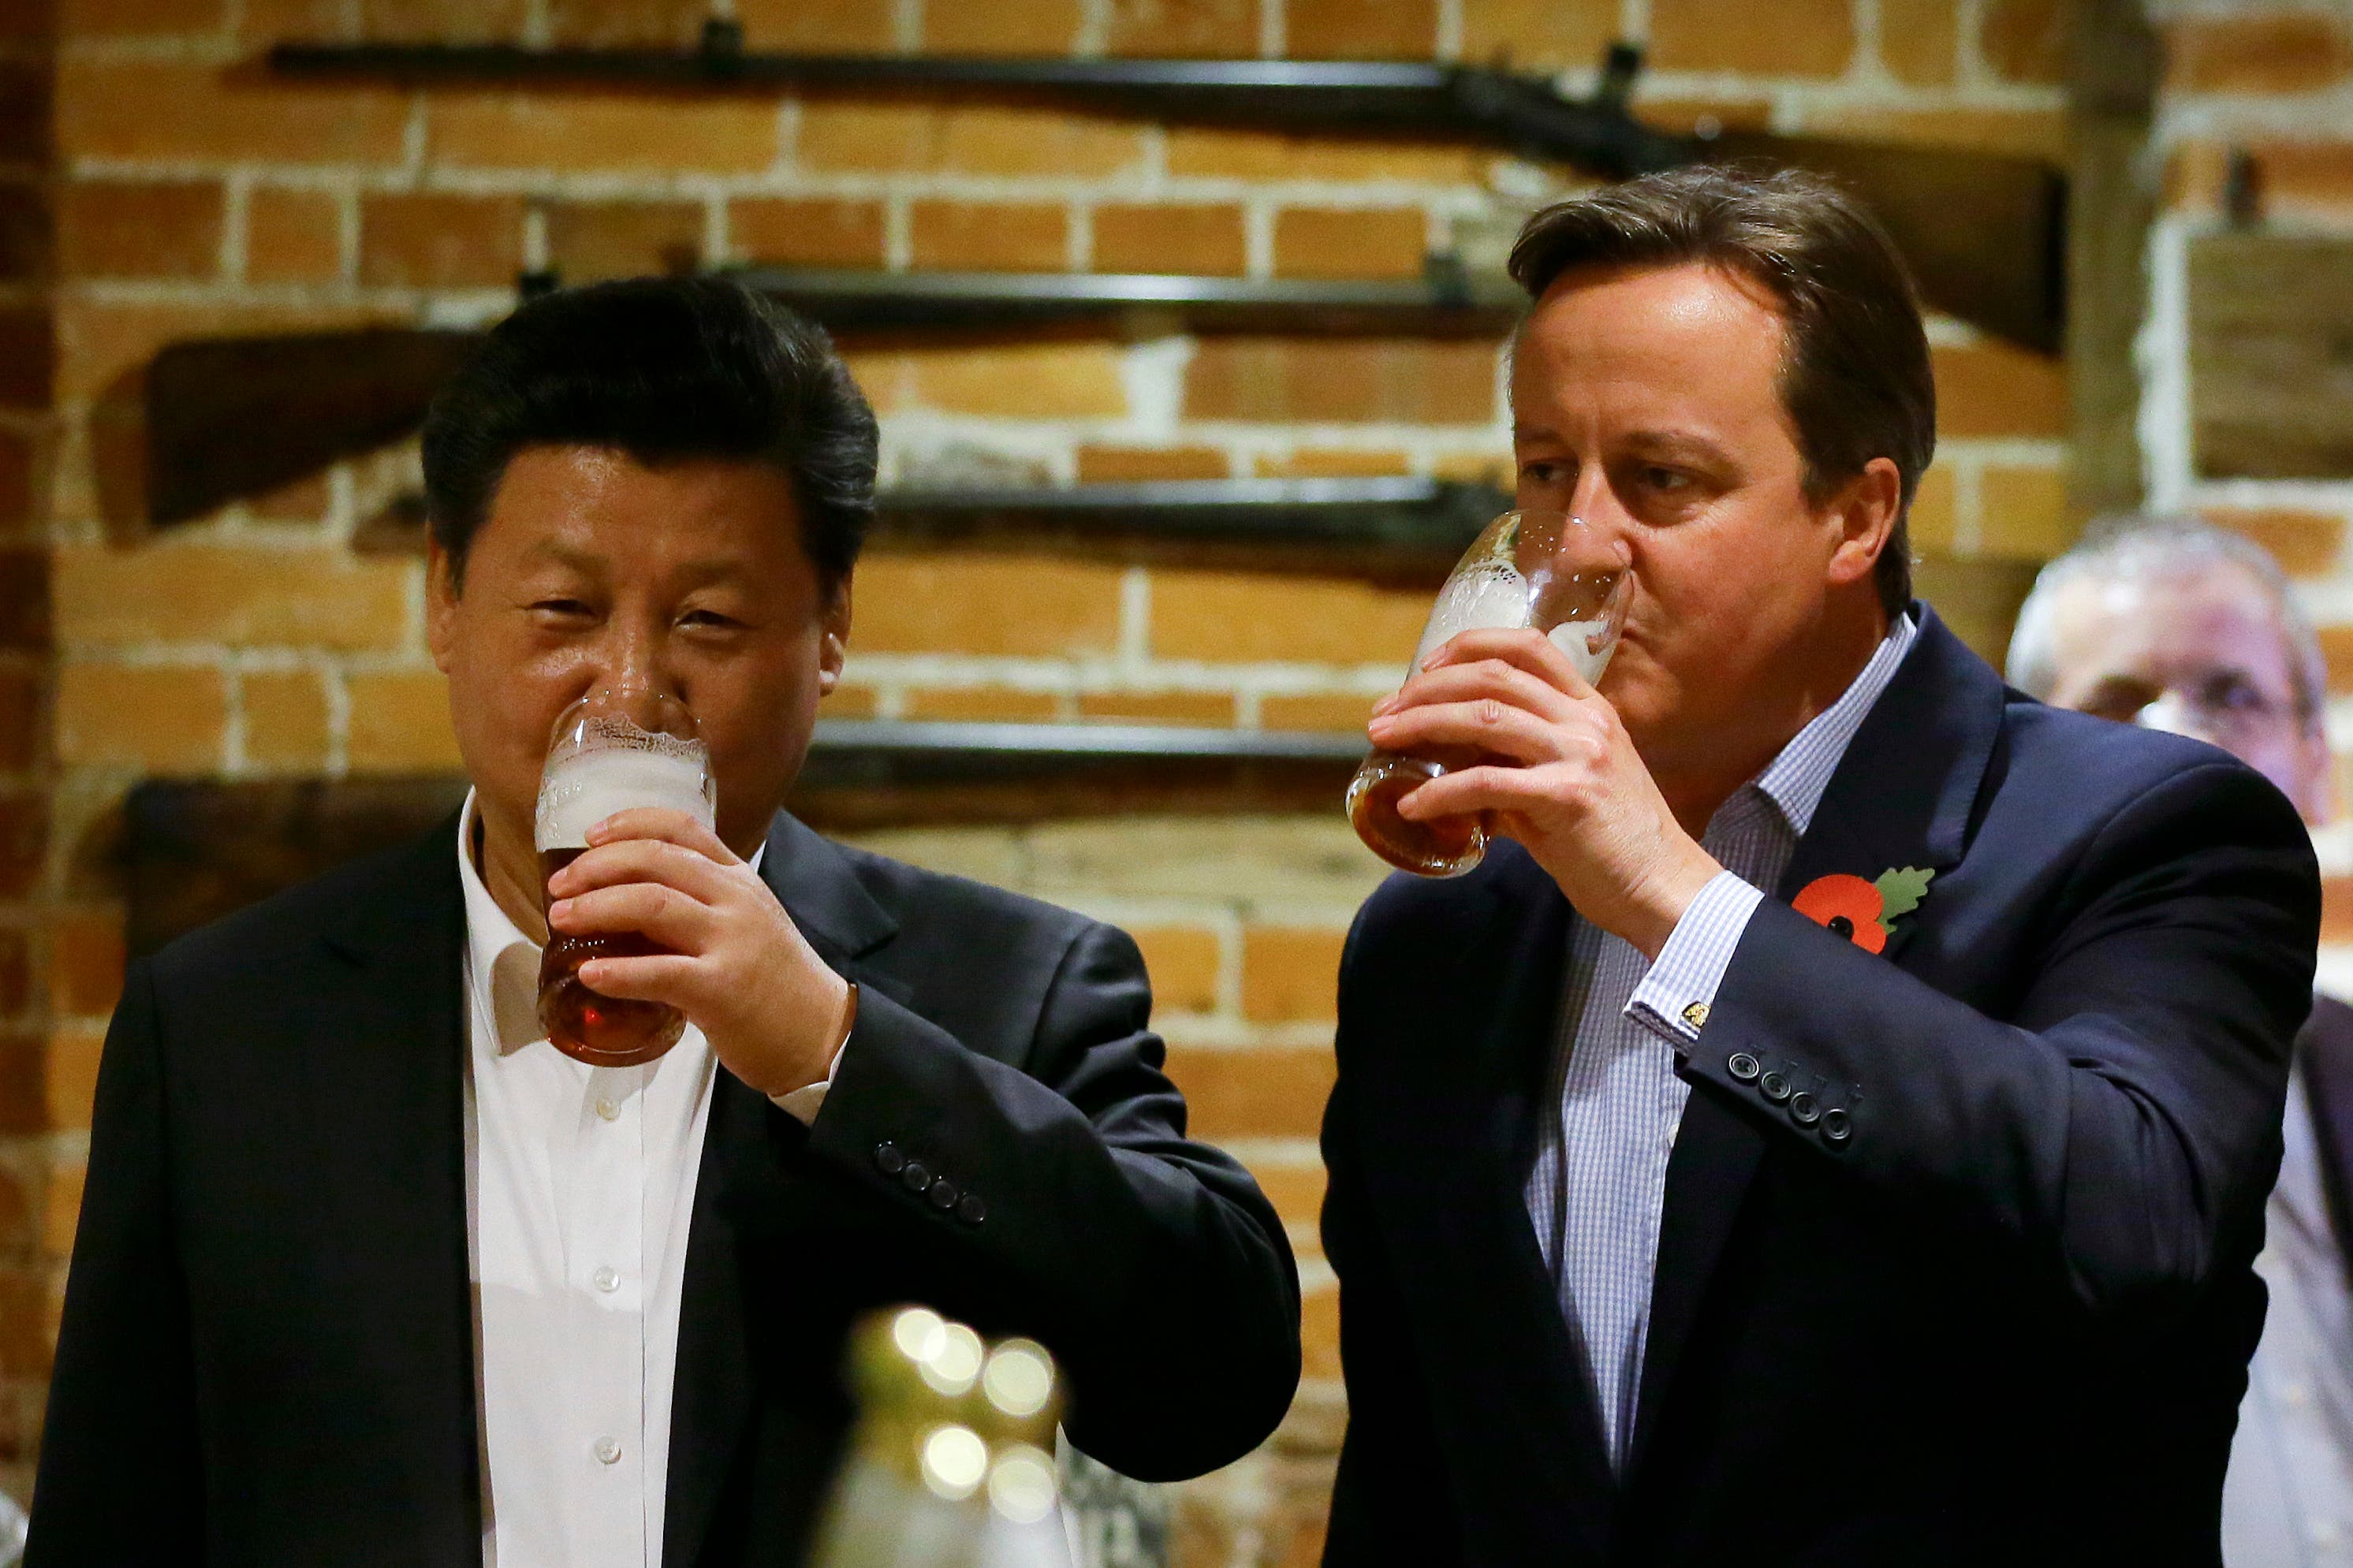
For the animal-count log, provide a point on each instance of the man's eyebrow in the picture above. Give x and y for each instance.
(1678, 443)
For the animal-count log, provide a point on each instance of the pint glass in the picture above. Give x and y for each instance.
(611, 751)
(1545, 570)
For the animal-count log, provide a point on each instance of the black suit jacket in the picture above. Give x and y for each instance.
(2006, 1320)
(268, 1352)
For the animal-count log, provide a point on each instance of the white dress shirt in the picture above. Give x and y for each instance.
(2287, 1501)
(579, 1186)
(1598, 1184)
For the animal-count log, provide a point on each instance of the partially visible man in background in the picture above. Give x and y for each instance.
(2176, 625)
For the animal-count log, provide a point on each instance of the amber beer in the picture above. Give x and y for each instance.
(611, 753)
(1545, 570)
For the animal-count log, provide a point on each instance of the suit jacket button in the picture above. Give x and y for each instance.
(1742, 1066)
(1804, 1110)
(1774, 1087)
(889, 1160)
(943, 1193)
(1836, 1128)
(917, 1176)
(970, 1209)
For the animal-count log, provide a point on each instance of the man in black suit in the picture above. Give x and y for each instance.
(2174, 624)
(367, 1273)
(1832, 1126)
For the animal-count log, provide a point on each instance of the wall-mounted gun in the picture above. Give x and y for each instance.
(1983, 233)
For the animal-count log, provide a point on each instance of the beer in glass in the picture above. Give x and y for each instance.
(612, 751)
(1544, 570)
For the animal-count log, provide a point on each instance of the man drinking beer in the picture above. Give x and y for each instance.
(368, 1272)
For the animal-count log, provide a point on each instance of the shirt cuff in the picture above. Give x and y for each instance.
(803, 1103)
(1674, 997)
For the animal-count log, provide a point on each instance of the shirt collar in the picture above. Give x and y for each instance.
(1795, 779)
(503, 964)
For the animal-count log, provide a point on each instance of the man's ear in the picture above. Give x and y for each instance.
(833, 637)
(1865, 510)
(441, 591)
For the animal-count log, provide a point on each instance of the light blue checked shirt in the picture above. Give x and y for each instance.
(1600, 1176)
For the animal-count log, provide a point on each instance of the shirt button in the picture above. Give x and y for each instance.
(610, 1110)
(608, 1451)
(606, 1279)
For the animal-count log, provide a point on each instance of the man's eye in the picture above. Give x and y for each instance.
(1541, 473)
(708, 618)
(565, 607)
(1660, 479)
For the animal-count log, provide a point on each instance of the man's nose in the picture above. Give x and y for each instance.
(638, 658)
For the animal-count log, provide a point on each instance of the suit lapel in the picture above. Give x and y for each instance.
(1902, 795)
(1455, 1145)
(387, 1113)
(711, 1398)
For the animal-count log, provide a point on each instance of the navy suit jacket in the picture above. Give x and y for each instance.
(268, 1352)
(2006, 1319)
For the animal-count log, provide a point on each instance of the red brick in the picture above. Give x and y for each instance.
(1295, 1191)
(1012, 381)
(2336, 892)
(1935, 519)
(1264, 1091)
(249, 596)
(854, 136)
(589, 242)
(981, 705)
(1179, 28)
(1170, 237)
(2020, 132)
(605, 23)
(2337, 648)
(1243, 617)
(1215, 709)
(23, 839)
(20, 718)
(1128, 465)
(165, 719)
(1367, 242)
(442, 21)
(1319, 1343)
(292, 237)
(1210, 153)
(2261, 51)
(105, 346)
(813, 233)
(2313, 177)
(1317, 711)
(1341, 380)
(2025, 40)
(1919, 40)
(1291, 973)
(85, 964)
(400, 723)
(102, 18)
(954, 602)
(1002, 27)
(196, 112)
(27, 1338)
(1538, 34)
(430, 240)
(2306, 544)
(61, 1208)
(1686, 116)
(994, 237)
(1360, 29)
(857, 27)
(69, 1076)
(285, 718)
(1991, 388)
(27, 232)
(17, 464)
(581, 133)
(2023, 513)
(1794, 38)
(1331, 463)
(266, 21)
(1183, 961)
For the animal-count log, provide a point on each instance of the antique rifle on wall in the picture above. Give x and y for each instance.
(230, 418)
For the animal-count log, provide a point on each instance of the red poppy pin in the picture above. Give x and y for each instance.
(1864, 912)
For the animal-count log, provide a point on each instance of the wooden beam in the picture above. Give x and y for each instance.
(2114, 67)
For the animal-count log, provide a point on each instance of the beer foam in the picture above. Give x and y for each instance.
(580, 791)
(1490, 598)
(1572, 638)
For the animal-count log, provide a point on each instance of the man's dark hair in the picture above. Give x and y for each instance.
(666, 370)
(1855, 375)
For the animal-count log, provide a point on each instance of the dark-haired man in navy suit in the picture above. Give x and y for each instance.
(1833, 1125)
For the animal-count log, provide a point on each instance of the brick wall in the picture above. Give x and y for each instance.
(199, 197)
(2275, 82)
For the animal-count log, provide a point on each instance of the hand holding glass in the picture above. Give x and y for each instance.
(612, 751)
(1542, 570)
